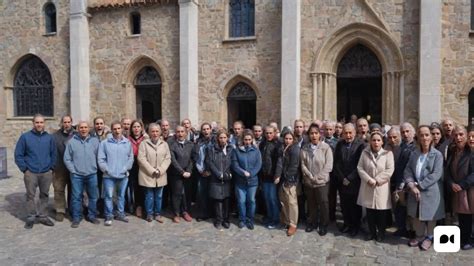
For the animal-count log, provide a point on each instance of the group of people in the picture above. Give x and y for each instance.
(421, 177)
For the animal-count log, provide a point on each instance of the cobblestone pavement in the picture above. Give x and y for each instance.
(142, 243)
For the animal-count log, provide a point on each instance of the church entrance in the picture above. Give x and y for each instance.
(148, 89)
(359, 85)
(242, 105)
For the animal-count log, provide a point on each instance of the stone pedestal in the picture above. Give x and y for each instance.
(79, 60)
(290, 61)
(188, 60)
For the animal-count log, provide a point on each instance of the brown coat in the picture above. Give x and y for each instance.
(379, 169)
(463, 201)
(152, 157)
(316, 165)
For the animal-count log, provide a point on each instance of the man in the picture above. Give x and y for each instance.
(203, 143)
(299, 131)
(363, 129)
(238, 128)
(115, 159)
(190, 130)
(338, 130)
(180, 174)
(35, 156)
(275, 125)
(165, 129)
(407, 147)
(329, 129)
(346, 158)
(126, 123)
(448, 126)
(100, 130)
(354, 119)
(258, 134)
(80, 158)
(61, 174)
(269, 150)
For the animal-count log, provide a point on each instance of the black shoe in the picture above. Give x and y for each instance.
(353, 232)
(370, 237)
(218, 226)
(29, 224)
(149, 218)
(241, 225)
(226, 225)
(250, 225)
(122, 218)
(309, 229)
(46, 221)
(344, 229)
(75, 224)
(380, 237)
(401, 233)
(322, 231)
(93, 220)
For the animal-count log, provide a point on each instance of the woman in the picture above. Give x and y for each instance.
(425, 204)
(154, 158)
(338, 130)
(287, 173)
(135, 193)
(218, 162)
(460, 179)
(246, 163)
(438, 136)
(375, 168)
(316, 164)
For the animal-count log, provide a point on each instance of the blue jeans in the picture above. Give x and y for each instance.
(79, 184)
(246, 202)
(109, 187)
(153, 199)
(271, 202)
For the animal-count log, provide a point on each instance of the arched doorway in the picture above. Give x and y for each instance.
(471, 108)
(242, 105)
(359, 85)
(148, 94)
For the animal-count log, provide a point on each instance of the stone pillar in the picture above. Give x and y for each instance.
(79, 60)
(290, 61)
(430, 61)
(188, 60)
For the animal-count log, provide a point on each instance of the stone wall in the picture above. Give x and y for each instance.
(22, 33)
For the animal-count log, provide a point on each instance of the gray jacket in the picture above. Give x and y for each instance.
(430, 183)
(80, 156)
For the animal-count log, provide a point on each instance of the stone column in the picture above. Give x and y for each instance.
(79, 60)
(430, 61)
(188, 60)
(290, 61)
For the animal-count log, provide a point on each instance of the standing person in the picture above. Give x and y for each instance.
(329, 129)
(80, 158)
(460, 179)
(269, 150)
(126, 123)
(238, 128)
(363, 129)
(258, 134)
(423, 176)
(154, 158)
(288, 175)
(35, 156)
(338, 130)
(135, 195)
(346, 158)
(203, 143)
(165, 129)
(115, 159)
(275, 125)
(61, 174)
(190, 130)
(316, 165)
(438, 136)
(375, 168)
(299, 132)
(180, 174)
(246, 163)
(100, 131)
(218, 160)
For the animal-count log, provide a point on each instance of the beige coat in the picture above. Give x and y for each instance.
(316, 164)
(379, 169)
(152, 157)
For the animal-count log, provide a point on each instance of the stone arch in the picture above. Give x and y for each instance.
(128, 77)
(236, 80)
(327, 58)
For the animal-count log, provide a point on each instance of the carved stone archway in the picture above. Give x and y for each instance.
(326, 61)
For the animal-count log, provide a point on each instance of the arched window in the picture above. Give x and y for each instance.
(33, 89)
(50, 17)
(135, 23)
(242, 18)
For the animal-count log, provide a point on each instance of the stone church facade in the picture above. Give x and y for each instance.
(221, 60)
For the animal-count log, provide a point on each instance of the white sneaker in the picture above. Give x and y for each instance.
(108, 222)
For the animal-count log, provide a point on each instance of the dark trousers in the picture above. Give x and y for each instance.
(302, 206)
(318, 203)
(221, 209)
(100, 195)
(377, 221)
(180, 194)
(332, 197)
(400, 213)
(351, 212)
(465, 224)
(202, 198)
(135, 193)
(43, 182)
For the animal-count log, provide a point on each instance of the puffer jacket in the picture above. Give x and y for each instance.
(219, 165)
(246, 158)
(316, 164)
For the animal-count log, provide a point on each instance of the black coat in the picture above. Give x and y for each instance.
(181, 157)
(269, 150)
(288, 166)
(406, 149)
(345, 165)
(219, 165)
